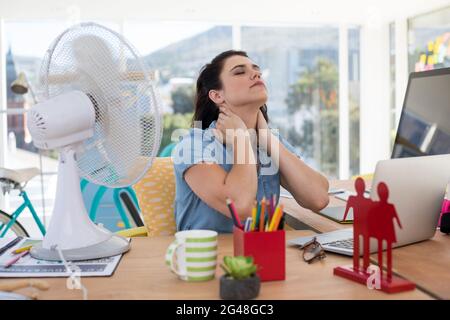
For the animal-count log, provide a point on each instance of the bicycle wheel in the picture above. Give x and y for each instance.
(16, 230)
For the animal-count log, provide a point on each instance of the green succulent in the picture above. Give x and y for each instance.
(238, 267)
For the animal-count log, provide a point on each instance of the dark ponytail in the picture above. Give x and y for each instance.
(206, 110)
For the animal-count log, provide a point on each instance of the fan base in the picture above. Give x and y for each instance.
(111, 247)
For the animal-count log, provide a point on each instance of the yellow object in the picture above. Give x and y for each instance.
(253, 218)
(423, 58)
(120, 224)
(262, 216)
(133, 232)
(20, 250)
(274, 218)
(277, 218)
(156, 195)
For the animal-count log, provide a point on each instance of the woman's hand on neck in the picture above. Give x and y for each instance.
(248, 114)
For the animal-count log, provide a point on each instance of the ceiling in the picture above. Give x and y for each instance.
(226, 11)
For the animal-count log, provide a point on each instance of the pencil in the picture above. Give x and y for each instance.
(278, 218)
(253, 217)
(274, 219)
(22, 249)
(258, 216)
(271, 205)
(234, 216)
(262, 215)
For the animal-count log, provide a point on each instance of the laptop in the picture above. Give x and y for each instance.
(424, 130)
(416, 188)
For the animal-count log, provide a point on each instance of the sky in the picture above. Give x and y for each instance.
(32, 38)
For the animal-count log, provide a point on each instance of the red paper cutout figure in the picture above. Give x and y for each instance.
(373, 219)
(381, 220)
(361, 207)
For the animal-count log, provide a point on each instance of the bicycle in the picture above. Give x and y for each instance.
(17, 180)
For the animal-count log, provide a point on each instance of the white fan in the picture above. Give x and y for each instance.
(100, 111)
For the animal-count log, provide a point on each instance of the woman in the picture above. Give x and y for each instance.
(231, 123)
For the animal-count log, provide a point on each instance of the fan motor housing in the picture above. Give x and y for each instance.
(62, 120)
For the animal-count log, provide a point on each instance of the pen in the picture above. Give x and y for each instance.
(248, 224)
(10, 245)
(16, 258)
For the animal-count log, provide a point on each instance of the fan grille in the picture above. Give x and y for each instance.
(102, 64)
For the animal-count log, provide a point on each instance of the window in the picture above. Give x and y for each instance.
(429, 41)
(354, 97)
(302, 73)
(176, 51)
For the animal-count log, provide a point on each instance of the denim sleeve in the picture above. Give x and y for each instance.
(194, 148)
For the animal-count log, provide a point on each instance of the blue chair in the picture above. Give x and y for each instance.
(96, 197)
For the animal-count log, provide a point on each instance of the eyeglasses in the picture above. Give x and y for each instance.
(313, 250)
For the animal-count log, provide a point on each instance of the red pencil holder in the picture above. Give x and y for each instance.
(268, 250)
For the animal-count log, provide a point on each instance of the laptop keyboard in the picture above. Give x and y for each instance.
(343, 244)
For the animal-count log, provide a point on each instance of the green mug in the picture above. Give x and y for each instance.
(193, 255)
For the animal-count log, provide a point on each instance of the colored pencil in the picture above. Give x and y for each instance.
(262, 216)
(274, 219)
(20, 250)
(234, 215)
(277, 218)
(253, 217)
(272, 202)
(258, 216)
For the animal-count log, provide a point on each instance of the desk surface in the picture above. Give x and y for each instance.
(142, 274)
(425, 263)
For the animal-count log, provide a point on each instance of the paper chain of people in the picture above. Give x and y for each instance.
(372, 219)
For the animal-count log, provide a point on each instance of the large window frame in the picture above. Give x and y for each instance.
(344, 133)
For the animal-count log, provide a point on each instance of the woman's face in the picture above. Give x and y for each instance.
(242, 83)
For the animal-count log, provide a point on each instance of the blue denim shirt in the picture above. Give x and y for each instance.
(202, 146)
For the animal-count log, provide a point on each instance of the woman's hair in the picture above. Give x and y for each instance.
(206, 110)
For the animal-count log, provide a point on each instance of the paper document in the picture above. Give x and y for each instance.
(28, 267)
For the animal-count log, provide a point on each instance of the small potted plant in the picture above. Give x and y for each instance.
(240, 281)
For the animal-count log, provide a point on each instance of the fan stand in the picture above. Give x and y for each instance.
(70, 228)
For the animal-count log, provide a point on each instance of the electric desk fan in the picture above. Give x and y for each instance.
(100, 110)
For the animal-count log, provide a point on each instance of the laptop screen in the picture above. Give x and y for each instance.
(424, 127)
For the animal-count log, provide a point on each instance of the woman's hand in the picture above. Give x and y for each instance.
(228, 125)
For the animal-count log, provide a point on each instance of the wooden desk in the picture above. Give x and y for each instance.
(426, 263)
(313, 220)
(142, 274)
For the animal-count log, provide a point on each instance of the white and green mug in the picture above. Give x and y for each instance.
(193, 255)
